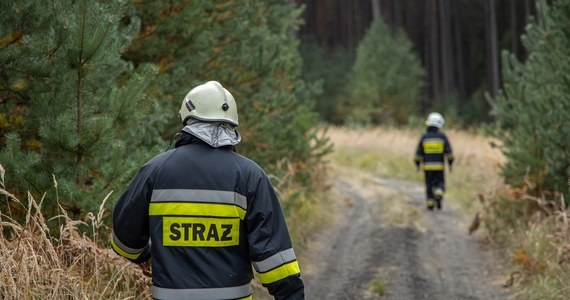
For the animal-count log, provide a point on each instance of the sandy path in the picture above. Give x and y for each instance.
(385, 237)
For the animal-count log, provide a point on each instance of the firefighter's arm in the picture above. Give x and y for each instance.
(271, 250)
(448, 152)
(419, 157)
(130, 220)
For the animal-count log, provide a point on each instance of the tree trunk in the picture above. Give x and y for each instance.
(514, 31)
(321, 16)
(491, 33)
(457, 38)
(396, 13)
(376, 13)
(446, 51)
(434, 48)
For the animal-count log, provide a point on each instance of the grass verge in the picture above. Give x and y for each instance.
(37, 265)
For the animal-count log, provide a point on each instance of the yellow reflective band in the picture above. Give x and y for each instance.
(433, 147)
(200, 232)
(123, 253)
(279, 273)
(246, 298)
(433, 167)
(196, 209)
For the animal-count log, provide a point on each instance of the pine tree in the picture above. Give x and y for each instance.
(248, 46)
(72, 109)
(387, 77)
(534, 105)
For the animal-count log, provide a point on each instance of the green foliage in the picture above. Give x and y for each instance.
(249, 47)
(77, 76)
(332, 69)
(387, 78)
(81, 107)
(534, 105)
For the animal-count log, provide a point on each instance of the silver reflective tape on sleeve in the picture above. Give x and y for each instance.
(207, 196)
(275, 260)
(433, 140)
(125, 248)
(234, 292)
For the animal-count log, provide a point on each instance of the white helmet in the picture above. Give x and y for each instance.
(435, 119)
(209, 102)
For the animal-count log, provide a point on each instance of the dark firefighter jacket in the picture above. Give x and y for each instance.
(431, 149)
(206, 215)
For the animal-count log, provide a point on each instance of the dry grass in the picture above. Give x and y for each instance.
(389, 152)
(37, 265)
(77, 265)
(534, 233)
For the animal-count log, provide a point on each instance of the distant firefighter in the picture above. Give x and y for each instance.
(432, 150)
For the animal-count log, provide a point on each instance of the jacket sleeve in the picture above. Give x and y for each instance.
(130, 237)
(419, 157)
(270, 247)
(447, 150)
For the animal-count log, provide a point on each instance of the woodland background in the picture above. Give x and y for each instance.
(90, 90)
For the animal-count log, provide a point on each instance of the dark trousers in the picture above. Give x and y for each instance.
(434, 179)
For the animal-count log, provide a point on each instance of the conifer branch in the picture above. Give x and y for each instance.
(78, 154)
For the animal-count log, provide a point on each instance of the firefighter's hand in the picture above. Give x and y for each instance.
(146, 267)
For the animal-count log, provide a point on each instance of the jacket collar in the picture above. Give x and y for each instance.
(186, 139)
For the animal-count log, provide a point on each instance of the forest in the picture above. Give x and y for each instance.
(90, 91)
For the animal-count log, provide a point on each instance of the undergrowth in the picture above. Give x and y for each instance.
(72, 265)
(535, 233)
(74, 261)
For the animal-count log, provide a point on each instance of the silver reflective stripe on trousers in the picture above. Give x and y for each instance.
(202, 294)
(275, 260)
(200, 196)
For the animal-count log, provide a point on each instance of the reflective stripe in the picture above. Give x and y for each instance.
(123, 250)
(433, 166)
(196, 209)
(236, 292)
(433, 146)
(433, 140)
(208, 196)
(275, 260)
(279, 273)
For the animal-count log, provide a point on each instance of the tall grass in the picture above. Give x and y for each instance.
(79, 264)
(535, 234)
(37, 265)
(389, 152)
(532, 232)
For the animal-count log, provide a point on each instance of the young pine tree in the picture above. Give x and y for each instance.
(82, 115)
(248, 46)
(534, 106)
(387, 77)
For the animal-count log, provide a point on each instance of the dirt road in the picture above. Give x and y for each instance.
(384, 244)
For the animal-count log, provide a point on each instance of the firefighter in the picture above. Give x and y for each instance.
(206, 214)
(432, 151)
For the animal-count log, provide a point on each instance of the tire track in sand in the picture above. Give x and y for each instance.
(384, 234)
